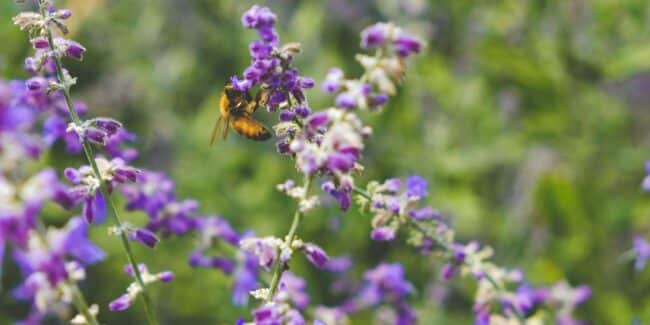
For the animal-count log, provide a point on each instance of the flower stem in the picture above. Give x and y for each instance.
(82, 306)
(280, 266)
(88, 151)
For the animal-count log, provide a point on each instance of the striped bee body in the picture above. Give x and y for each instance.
(236, 108)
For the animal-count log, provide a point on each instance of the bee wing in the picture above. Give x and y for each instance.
(250, 128)
(215, 130)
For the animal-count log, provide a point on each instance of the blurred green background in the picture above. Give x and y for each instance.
(530, 119)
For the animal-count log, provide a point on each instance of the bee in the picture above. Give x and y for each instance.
(236, 108)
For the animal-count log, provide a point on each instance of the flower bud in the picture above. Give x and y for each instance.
(144, 237)
(40, 43)
(121, 303)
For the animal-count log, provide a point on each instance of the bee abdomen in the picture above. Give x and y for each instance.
(250, 129)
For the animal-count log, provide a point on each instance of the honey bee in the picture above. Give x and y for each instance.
(236, 108)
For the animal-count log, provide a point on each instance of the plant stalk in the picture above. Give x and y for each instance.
(280, 266)
(88, 151)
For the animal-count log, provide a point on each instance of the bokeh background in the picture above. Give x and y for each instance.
(530, 119)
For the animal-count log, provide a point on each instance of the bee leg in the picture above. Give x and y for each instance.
(224, 135)
(215, 130)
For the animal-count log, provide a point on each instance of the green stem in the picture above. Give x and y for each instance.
(88, 151)
(280, 266)
(82, 306)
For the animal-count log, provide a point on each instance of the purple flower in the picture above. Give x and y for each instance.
(108, 125)
(287, 115)
(346, 100)
(305, 82)
(272, 314)
(265, 249)
(339, 264)
(374, 36)
(406, 45)
(333, 80)
(393, 185)
(316, 255)
(120, 304)
(40, 43)
(245, 280)
(144, 237)
(448, 271)
(317, 120)
(74, 50)
(383, 234)
(271, 65)
(94, 208)
(166, 276)
(36, 84)
(389, 278)
(642, 250)
(378, 99)
(425, 213)
(384, 285)
(293, 288)
(63, 14)
(124, 301)
(416, 186)
(197, 259)
(258, 17)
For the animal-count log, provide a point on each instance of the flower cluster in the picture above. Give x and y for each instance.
(52, 263)
(51, 260)
(382, 70)
(391, 205)
(327, 143)
(87, 184)
(271, 66)
(270, 250)
(243, 266)
(286, 305)
(153, 193)
(34, 114)
(385, 285)
(395, 207)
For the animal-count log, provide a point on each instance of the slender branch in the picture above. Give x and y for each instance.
(88, 151)
(80, 303)
(281, 267)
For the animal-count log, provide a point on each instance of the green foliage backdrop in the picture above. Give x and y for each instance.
(530, 118)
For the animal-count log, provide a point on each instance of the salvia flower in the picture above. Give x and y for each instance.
(642, 253)
(384, 285)
(271, 64)
(286, 305)
(98, 130)
(86, 185)
(266, 249)
(154, 194)
(393, 204)
(144, 237)
(51, 263)
(124, 301)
